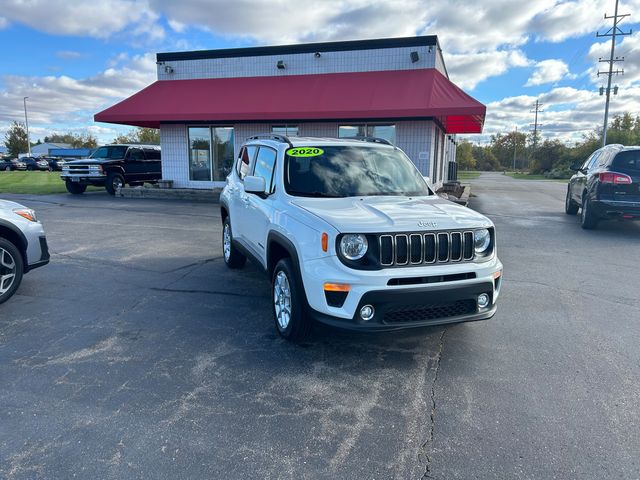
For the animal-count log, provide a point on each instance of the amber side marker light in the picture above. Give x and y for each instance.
(325, 242)
(336, 287)
(497, 275)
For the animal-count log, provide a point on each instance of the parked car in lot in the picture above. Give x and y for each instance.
(352, 236)
(23, 246)
(113, 166)
(34, 163)
(12, 164)
(5, 164)
(55, 163)
(606, 186)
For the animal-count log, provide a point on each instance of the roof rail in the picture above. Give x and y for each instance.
(372, 140)
(272, 136)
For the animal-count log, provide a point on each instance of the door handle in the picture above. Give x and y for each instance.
(246, 201)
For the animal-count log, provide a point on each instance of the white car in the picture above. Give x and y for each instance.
(23, 246)
(351, 235)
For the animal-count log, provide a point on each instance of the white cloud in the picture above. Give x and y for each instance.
(68, 54)
(65, 100)
(3, 23)
(469, 69)
(548, 71)
(100, 19)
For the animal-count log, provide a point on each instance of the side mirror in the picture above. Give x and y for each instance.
(254, 185)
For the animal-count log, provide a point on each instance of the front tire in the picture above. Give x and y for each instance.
(588, 219)
(570, 207)
(288, 303)
(115, 181)
(75, 188)
(11, 269)
(232, 257)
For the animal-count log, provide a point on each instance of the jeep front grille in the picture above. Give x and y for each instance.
(425, 248)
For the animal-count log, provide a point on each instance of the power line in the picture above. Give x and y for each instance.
(613, 32)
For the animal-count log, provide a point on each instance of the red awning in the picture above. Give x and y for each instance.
(397, 94)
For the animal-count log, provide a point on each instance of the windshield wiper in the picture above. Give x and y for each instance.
(313, 194)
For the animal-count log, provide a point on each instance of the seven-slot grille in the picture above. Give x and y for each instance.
(420, 248)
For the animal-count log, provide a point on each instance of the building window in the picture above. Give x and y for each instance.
(210, 153)
(222, 152)
(199, 154)
(288, 130)
(388, 132)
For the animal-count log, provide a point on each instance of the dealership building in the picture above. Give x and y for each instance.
(207, 103)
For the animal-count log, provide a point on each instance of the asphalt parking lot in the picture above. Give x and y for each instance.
(137, 354)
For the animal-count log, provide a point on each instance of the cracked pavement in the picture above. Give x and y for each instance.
(136, 354)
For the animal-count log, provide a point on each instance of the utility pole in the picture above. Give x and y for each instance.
(515, 144)
(613, 33)
(26, 121)
(535, 125)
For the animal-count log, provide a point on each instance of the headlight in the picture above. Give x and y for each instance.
(482, 240)
(353, 246)
(26, 213)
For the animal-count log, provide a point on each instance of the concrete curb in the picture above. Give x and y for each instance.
(191, 194)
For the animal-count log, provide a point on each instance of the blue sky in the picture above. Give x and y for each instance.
(75, 58)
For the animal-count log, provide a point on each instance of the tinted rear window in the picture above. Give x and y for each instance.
(627, 160)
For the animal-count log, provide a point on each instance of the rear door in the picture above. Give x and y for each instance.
(259, 208)
(627, 162)
(134, 165)
(153, 165)
(579, 180)
(240, 226)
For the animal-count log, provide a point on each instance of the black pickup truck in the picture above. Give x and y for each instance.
(113, 166)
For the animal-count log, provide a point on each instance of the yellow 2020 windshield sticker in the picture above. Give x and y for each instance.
(305, 152)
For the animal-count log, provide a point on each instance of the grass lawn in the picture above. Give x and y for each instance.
(527, 176)
(33, 183)
(467, 175)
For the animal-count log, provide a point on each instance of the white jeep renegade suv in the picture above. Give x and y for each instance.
(352, 236)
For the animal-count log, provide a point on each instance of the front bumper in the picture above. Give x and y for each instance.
(417, 307)
(398, 305)
(98, 179)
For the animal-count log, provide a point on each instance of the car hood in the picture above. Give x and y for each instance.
(9, 205)
(91, 161)
(392, 214)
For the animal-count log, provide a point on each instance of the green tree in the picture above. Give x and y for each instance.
(76, 140)
(485, 158)
(464, 156)
(16, 139)
(148, 136)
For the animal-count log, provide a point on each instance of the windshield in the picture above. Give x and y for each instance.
(347, 171)
(628, 159)
(109, 152)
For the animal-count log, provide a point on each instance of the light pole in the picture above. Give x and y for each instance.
(26, 121)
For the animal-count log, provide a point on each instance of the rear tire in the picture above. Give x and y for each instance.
(11, 269)
(232, 256)
(570, 207)
(75, 188)
(588, 219)
(114, 182)
(288, 303)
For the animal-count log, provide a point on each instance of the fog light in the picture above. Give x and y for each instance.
(367, 312)
(483, 300)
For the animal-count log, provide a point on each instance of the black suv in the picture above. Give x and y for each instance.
(606, 185)
(113, 166)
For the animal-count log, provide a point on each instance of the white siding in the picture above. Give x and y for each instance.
(415, 138)
(300, 64)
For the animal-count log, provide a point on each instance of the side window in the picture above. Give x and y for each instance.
(152, 154)
(243, 166)
(135, 154)
(265, 165)
(594, 160)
